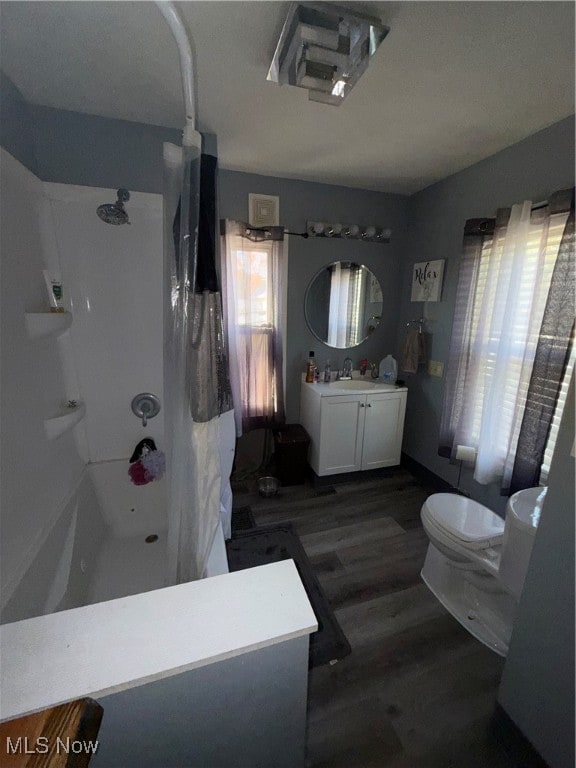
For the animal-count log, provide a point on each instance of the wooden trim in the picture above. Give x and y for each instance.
(49, 732)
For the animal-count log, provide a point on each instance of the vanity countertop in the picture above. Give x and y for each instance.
(356, 386)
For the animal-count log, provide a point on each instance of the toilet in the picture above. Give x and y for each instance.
(476, 562)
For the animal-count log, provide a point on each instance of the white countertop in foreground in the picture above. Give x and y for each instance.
(108, 647)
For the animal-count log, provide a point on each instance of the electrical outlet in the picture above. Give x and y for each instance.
(435, 368)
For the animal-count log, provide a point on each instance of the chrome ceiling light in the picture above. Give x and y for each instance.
(325, 48)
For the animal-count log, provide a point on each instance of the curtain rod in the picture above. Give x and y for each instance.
(305, 235)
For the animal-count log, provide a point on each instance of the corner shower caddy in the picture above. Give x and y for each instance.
(65, 419)
(44, 325)
(39, 325)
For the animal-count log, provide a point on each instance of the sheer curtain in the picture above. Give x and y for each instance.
(196, 389)
(252, 275)
(346, 307)
(505, 278)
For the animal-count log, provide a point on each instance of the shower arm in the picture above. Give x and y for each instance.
(174, 21)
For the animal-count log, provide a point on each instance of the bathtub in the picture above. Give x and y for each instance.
(109, 541)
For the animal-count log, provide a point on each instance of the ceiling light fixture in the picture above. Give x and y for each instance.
(325, 48)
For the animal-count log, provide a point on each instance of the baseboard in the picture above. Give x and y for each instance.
(348, 477)
(425, 475)
(511, 738)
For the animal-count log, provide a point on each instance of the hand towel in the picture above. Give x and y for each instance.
(415, 352)
(411, 353)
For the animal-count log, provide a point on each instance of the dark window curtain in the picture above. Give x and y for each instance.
(552, 354)
(478, 234)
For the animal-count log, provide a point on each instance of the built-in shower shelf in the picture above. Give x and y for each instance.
(42, 324)
(66, 419)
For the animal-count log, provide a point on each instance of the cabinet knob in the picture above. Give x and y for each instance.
(361, 405)
(369, 405)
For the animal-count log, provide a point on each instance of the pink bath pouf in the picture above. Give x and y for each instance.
(137, 473)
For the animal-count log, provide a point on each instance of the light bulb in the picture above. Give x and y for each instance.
(353, 230)
(369, 232)
(318, 228)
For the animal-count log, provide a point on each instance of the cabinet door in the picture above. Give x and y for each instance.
(383, 428)
(342, 423)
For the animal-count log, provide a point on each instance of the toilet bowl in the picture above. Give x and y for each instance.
(476, 562)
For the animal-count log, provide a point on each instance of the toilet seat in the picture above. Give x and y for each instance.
(463, 522)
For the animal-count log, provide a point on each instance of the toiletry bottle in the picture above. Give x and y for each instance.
(327, 373)
(310, 369)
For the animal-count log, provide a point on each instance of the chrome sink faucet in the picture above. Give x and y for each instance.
(347, 368)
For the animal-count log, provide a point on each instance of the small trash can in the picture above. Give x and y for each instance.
(291, 451)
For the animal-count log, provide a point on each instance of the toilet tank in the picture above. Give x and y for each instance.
(522, 517)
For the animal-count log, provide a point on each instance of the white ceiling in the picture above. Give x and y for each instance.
(452, 83)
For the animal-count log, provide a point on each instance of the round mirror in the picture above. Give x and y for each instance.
(343, 304)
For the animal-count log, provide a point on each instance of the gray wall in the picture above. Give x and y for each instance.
(74, 148)
(531, 169)
(537, 687)
(16, 128)
(301, 201)
(91, 151)
(245, 712)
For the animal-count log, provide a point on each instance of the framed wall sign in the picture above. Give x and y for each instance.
(427, 279)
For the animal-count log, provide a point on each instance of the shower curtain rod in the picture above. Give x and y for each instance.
(174, 21)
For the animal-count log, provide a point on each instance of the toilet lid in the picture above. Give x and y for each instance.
(464, 519)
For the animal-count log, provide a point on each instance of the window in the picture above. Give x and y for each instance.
(254, 283)
(515, 298)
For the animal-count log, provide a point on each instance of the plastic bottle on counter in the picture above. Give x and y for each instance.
(310, 368)
(388, 370)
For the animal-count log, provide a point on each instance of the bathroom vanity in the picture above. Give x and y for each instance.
(353, 425)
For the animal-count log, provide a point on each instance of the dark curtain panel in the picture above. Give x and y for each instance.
(477, 233)
(552, 355)
(207, 361)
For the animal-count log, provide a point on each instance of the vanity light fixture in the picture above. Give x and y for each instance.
(369, 233)
(325, 48)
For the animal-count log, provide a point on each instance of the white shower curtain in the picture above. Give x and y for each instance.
(195, 449)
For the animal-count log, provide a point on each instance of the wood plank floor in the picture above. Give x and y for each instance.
(417, 691)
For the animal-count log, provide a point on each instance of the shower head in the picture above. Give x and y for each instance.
(115, 213)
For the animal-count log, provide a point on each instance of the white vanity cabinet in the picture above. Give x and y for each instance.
(352, 425)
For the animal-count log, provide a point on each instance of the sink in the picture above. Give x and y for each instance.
(359, 386)
(353, 384)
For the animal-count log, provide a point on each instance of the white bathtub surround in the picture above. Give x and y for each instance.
(61, 573)
(101, 649)
(37, 477)
(112, 277)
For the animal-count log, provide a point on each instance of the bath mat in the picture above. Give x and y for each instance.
(281, 542)
(242, 519)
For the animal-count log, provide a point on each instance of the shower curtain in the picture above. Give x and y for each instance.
(196, 385)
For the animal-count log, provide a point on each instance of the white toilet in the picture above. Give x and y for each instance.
(476, 563)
